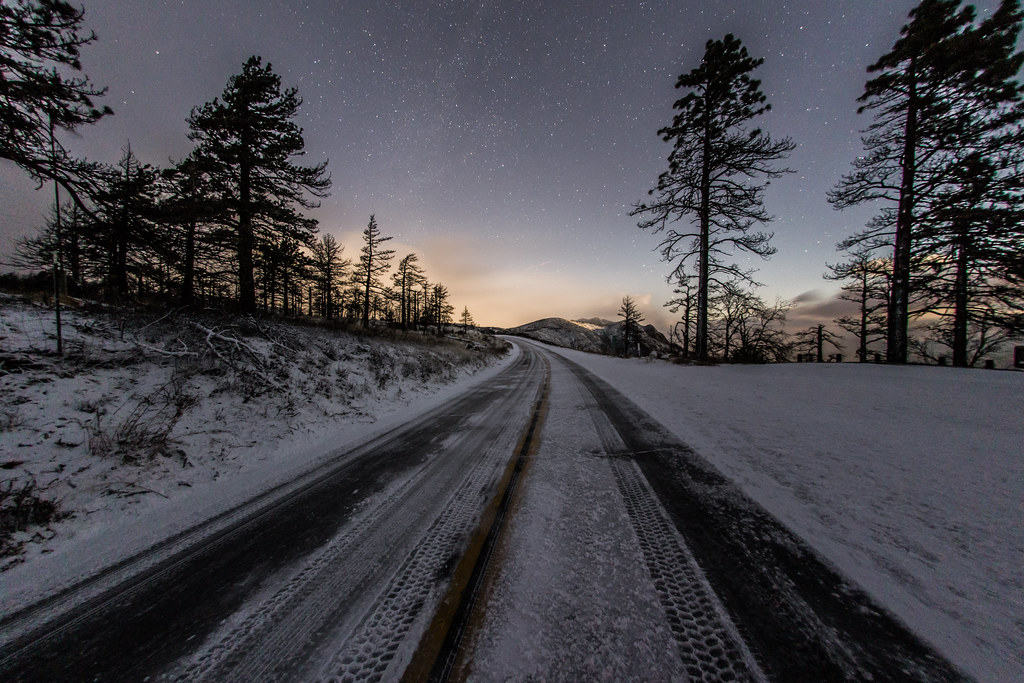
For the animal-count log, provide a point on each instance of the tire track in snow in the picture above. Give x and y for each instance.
(370, 650)
(798, 616)
(709, 643)
(313, 589)
(282, 634)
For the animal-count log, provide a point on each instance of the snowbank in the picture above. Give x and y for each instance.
(909, 479)
(307, 395)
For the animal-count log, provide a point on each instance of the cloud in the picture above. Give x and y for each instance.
(811, 295)
(820, 311)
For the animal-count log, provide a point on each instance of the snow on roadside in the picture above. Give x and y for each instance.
(237, 426)
(925, 511)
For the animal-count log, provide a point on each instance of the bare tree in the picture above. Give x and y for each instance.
(939, 339)
(866, 281)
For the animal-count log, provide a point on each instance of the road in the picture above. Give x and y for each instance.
(395, 559)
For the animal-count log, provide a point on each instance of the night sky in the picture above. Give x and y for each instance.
(503, 141)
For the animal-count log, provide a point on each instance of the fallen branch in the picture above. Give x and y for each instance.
(239, 346)
(167, 352)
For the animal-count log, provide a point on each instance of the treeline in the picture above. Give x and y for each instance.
(943, 161)
(225, 225)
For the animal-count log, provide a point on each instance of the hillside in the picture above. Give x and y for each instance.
(595, 335)
(145, 407)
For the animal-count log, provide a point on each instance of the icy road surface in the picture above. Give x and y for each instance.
(617, 553)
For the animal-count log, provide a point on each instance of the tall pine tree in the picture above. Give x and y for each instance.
(42, 85)
(248, 139)
(718, 168)
(978, 224)
(912, 98)
(374, 262)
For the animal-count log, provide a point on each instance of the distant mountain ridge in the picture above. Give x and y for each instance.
(595, 335)
(600, 322)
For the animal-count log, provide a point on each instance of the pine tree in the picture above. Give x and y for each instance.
(718, 169)
(977, 226)
(466, 319)
(406, 277)
(866, 283)
(814, 338)
(686, 301)
(374, 262)
(743, 328)
(329, 269)
(631, 319)
(248, 140)
(42, 88)
(922, 99)
(125, 226)
(440, 309)
(293, 268)
(188, 205)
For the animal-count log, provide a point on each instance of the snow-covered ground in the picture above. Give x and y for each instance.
(576, 595)
(154, 425)
(909, 479)
(574, 600)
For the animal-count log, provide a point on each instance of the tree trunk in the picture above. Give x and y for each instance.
(328, 299)
(705, 226)
(862, 350)
(686, 326)
(246, 281)
(405, 302)
(899, 301)
(820, 357)
(189, 268)
(121, 263)
(369, 282)
(286, 284)
(960, 296)
(75, 250)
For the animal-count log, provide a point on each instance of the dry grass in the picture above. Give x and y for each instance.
(22, 507)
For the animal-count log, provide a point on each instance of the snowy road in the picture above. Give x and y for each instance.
(629, 557)
(616, 553)
(350, 562)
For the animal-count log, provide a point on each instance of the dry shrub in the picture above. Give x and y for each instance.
(144, 432)
(21, 507)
